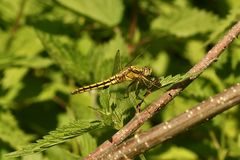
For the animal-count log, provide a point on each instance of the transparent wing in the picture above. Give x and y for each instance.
(138, 56)
(117, 63)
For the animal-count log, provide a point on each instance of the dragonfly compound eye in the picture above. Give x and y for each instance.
(147, 71)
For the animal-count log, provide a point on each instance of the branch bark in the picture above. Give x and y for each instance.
(201, 112)
(153, 108)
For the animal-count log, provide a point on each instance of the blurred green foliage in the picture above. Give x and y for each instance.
(50, 47)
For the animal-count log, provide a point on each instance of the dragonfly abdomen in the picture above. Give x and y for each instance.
(104, 84)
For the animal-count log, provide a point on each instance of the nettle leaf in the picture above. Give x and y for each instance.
(12, 83)
(26, 43)
(115, 109)
(164, 81)
(85, 44)
(182, 153)
(34, 62)
(160, 64)
(186, 22)
(235, 58)
(104, 56)
(125, 108)
(72, 62)
(26, 61)
(87, 143)
(57, 152)
(13, 76)
(224, 24)
(7, 9)
(49, 90)
(194, 51)
(79, 105)
(10, 131)
(58, 136)
(107, 12)
(116, 43)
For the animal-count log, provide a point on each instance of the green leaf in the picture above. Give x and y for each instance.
(12, 83)
(13, 76)
(10, 132)
(211, 75)
(224, 24)
(26, 43)
(26, 61)
(194, 51)
(112, 46)
(80, 103)
(50, 90)
(115, 108)
(34, 62)
(104, 55)
(60, 153)
(107, 12)
(182, 153)
(125, 109)
(160, 65)
(164, 81)
(87, 144)
(71, 62)
(7, 10)
(58, 136)
(85, 44)
(186, 22)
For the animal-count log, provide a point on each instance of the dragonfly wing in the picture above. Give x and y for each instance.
(141, 52)
(117, 63)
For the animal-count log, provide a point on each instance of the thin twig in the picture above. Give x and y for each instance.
(201, 112)
(134, 18)
(133, 24)
(15, 25)
(153, 108)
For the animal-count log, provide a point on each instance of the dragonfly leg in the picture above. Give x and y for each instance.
(129, 88)
(142, 100)
(151, 83)
(137, 91)
(105, 87)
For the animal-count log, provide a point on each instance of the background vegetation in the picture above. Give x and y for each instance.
(48, 48)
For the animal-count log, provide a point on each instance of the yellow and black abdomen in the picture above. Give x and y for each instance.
(104, 84)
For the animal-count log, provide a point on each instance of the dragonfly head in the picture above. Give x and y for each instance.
(147, 71)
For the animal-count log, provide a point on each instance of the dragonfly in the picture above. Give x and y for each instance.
(131, 73)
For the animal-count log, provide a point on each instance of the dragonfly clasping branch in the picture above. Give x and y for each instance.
(131, 73)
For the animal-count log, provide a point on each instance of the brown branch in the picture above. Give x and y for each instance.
(15, 25)
(201, 112)
(132, 28)
(153, 108)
